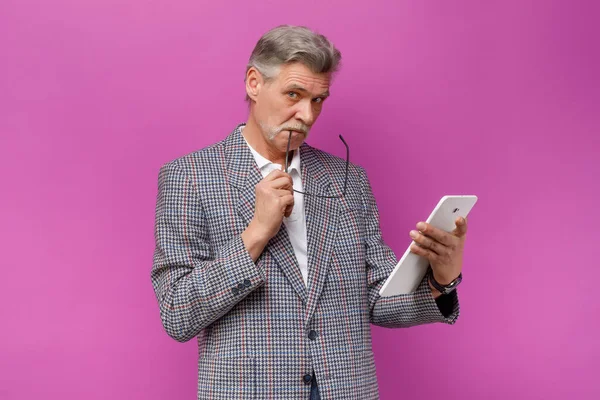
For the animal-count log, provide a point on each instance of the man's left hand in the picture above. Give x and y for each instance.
(444, 250)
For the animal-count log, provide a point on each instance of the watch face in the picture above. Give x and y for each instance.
(445, 289)
(452, 285)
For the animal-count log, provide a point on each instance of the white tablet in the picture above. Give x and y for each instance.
(411, 269)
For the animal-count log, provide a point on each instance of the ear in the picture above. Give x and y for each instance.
(254, 83)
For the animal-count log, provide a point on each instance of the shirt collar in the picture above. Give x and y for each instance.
(262, 162)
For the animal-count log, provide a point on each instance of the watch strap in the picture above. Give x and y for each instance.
(444, 289)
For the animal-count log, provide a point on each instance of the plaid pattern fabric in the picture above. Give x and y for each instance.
(260, 330)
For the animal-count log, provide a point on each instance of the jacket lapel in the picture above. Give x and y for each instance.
(321, 222)
(244, 175)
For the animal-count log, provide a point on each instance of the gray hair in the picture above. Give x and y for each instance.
(286, 44)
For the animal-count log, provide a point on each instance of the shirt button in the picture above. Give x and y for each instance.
(307, 378)
(312, 335)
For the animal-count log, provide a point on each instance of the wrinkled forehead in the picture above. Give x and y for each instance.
(297, 76)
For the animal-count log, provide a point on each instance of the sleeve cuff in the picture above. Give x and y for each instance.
(446, 303)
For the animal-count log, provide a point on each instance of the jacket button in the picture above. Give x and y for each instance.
(312, 335)
(307, 378)
(241, 287)
(247, 282)
(235, 291)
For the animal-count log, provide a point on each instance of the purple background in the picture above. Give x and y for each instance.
(498, 99)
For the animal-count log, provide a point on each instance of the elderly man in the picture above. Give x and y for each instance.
(269, 251)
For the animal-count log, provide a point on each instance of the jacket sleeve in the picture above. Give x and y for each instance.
(194, 284)
(397, 311)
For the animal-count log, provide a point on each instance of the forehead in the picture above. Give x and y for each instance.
(296, 74)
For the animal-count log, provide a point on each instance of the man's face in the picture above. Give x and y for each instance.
(290, 101)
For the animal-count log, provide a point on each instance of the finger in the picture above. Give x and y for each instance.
(283, 182)
(444, 238)
(461, 227)
(286, 204)
(276, 173)
(428, 243)
(287, 200)
(420, 251)
(283, 192)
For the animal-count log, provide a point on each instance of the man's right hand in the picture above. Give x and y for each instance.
(274, 200)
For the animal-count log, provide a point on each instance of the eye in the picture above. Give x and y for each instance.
(318, 100)
(292, 95)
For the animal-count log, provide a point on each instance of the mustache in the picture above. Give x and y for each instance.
(299, 128)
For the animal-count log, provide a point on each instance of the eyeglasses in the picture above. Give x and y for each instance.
(287, 152)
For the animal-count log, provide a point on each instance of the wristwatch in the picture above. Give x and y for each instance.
(445, 289)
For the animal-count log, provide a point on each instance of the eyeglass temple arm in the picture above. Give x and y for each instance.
(347, 162)
(287, 152)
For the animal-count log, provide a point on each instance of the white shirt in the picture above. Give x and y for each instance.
(296, 222)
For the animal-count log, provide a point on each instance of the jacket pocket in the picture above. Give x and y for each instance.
(226, 378)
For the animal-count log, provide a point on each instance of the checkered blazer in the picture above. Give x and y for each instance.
(260, 330)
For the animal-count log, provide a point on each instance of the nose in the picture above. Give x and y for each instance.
(305, 112)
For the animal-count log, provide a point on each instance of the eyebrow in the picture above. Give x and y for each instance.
(295, 86)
